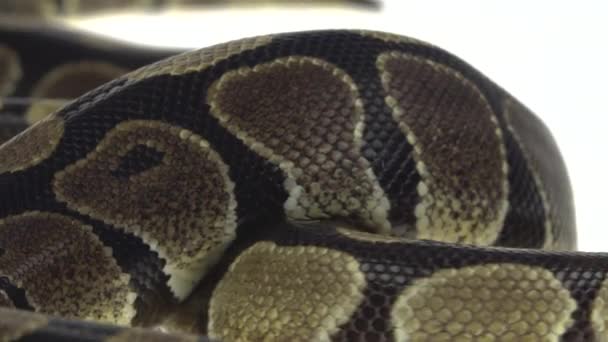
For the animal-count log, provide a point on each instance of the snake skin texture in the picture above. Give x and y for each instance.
(310, 186)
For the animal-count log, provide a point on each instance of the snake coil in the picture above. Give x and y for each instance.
(327, 185)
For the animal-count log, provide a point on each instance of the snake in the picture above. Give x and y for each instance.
(342, 185)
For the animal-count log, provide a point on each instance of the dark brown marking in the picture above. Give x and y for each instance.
(304, 115)
(181, 205)
(64, 268)
(457, 145)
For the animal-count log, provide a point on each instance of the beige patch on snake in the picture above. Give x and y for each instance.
(198, 60)
(549, 173)
(163, 184)
(71, 80)
(64, 268)
(31, 146)
(10, 70)
(305, 115)
(458, 149)
(493, 302)
(275, 293)
(15, 324)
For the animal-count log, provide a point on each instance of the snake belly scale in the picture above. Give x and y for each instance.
(289, 187)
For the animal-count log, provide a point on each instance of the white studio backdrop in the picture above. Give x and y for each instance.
(552, 55)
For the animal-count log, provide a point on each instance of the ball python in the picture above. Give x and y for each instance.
(325, 185)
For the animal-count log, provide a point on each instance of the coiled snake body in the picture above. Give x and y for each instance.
(288, 187)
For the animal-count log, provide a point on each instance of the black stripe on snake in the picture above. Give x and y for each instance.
(327, 185)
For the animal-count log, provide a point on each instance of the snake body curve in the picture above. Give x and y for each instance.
(289, 187)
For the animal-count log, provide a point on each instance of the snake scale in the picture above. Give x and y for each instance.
(327, 185)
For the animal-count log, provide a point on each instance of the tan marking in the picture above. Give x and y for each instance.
(31, 146)
(64, 269)
(599, 313)
(458, 149)
(304, 115)
(493, 302)
(198, 60)
(275, 293)
(392, 38)
(549, 173)
(150, 335)
(183, 208)
(71, 80)
(40, 108)
(16, 323)
(10, 70)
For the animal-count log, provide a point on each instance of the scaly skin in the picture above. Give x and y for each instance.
(286, 187)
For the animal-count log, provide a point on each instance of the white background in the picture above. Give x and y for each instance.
(552, 55)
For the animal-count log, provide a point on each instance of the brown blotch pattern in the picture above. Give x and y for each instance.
(549, 172)
(31, 146)
(494, 302)
(275, 293)
(198, 60)
(458, 149)
(16, 323)
(183, 208)
(305, 115)
(64, 268)
(10, 70)
(68, 81)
